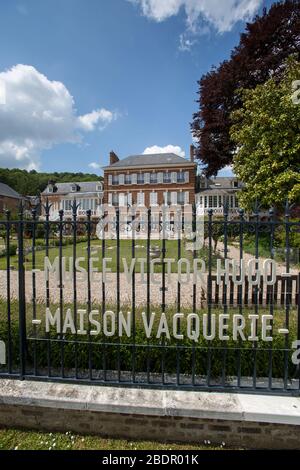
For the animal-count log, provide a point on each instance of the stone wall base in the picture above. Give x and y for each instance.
(153, 428)
(239, 421)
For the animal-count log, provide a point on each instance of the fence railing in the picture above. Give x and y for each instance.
(81, 300)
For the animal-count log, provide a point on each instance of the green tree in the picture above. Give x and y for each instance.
(266, 131)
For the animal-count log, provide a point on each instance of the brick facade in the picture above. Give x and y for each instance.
(178, 165)
(237, 434)
(9, 203)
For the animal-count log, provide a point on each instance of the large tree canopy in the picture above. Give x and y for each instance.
(261, 54)
(267, 136)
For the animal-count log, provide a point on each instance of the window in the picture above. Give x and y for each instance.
(122, 200)
(115, 180)
(140, 178)
(235, 184)
(205, 202)
(121, 179)
(50, 189)
(220, 201)
(167, 178)
(134, 178)
(110, 180)
(115, 199)
(153, 199)
(127, 179)
(167, 198)
(129, 199)
(174, 198)
(160, 177)
(74, 188)
(210, 203)
(99, 187)
(147, 178)
(180, 177)
(215, 201)
(187, 176)
(140, 199)
(153, 178)
(180, 199)
(174, 177)
(186, 197)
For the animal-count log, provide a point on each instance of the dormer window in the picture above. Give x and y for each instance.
(74, 188)
(99, 187)
(50, 189)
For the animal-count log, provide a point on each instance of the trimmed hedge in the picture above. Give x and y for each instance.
(180, 353)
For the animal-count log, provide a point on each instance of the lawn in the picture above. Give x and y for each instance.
(110, 252)
(12, 439)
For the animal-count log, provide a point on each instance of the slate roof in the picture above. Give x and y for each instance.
(7, 191)
(152, 160)
(66, 188)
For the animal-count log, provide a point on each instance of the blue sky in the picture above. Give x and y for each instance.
(83, 77)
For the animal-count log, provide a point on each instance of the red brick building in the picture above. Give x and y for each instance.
(150, 180)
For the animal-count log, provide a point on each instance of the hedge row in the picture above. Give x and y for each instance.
(152, 357)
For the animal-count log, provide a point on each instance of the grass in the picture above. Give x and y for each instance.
(264, 250)
(110, 252)
(11, 439)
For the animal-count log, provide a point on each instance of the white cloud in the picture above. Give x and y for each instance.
(221, 15)
(38, 114)
(167, 149)
(226, 171)
(99, 118)
(95, 166)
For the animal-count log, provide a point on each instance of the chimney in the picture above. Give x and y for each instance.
(113, 158)
(192, 153)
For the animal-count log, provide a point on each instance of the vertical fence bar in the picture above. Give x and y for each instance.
(133, 299)
(47, 230)
(34, 221)
(209, 291)
(240, 290)
(287, 294)
(271, 297)
(148, 289)
(118, 291)
(163, 289)
(298, 323)
(8, 293)
(89, 297)
(74, 224)
(256, 291)
(179, 222)
(194, 224)
(22, 297)
(225, 307)
(104, 364)
(61, 292)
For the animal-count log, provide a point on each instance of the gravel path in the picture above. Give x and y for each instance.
(111, 289)
(125, 287)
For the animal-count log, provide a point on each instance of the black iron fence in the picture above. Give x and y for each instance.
(137, 299)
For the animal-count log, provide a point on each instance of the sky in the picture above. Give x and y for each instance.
(79, 78)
